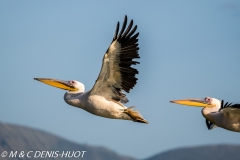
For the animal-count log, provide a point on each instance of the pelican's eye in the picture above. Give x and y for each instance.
(208, 99)
(72, 82)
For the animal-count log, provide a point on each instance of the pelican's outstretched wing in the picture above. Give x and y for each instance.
(116, 74)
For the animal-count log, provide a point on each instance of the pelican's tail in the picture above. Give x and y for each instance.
(135, 115)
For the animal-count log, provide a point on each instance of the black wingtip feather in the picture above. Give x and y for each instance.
(132, 40)
(128, 29)
(132, 32)
(116, 31)
(208, 125)
(129, 51)
(123, 27)
(227, 105)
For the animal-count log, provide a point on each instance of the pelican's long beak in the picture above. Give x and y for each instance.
(57, 83)
(193, 102)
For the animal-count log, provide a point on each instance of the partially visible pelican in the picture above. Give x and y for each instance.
(217, 113)
(107, 98)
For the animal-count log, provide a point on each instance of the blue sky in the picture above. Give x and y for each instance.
(188, 49)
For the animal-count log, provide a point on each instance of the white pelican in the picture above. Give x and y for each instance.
(217, 113)
(107, 98)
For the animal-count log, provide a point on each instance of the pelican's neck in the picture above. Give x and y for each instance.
(72, 98)
(210, 113)
(206, 110)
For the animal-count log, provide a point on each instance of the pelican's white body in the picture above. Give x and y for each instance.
(96, 105)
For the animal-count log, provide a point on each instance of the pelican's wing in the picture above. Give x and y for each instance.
(231, 115)
(117, 75)
(231, 112)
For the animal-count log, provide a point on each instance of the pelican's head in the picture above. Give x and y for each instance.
(207, 102)
(71, 86)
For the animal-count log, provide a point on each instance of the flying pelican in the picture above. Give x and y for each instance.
(217, 113)
(107, 98)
